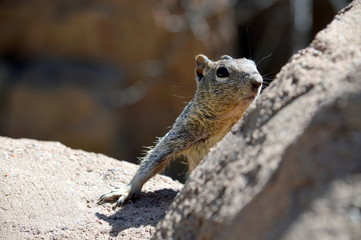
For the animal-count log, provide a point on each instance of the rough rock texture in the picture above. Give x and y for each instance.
(49, 191)
(291, 169)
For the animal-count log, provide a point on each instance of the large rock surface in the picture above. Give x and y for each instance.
(291, 169)
(49, 191)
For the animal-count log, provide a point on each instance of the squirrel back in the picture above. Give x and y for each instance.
(225, 89)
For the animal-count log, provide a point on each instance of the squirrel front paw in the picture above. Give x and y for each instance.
(119, 194)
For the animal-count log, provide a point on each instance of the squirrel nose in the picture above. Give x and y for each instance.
(256, 81)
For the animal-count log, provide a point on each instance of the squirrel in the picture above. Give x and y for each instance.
(225, 89)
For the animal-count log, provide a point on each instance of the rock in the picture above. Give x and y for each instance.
(291, 168)
(49, 191)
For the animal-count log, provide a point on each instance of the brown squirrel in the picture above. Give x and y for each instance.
(225, 89)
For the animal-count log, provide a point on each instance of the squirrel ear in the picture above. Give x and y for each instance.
(201, 63)
(226, 57)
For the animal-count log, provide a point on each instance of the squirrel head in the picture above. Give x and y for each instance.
(228, 80)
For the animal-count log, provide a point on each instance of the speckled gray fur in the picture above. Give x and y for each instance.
(225, 89)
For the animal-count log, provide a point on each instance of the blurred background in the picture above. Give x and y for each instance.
(109, 76)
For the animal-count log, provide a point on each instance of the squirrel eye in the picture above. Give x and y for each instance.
(222, 72)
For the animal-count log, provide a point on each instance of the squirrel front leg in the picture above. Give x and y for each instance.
(154, 162)
(171, 145)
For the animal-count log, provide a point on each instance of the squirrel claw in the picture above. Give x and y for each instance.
(119, 202)
(120, 195)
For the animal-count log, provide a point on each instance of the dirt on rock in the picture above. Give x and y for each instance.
(49, 191)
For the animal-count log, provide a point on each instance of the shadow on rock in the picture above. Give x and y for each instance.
(149, 209)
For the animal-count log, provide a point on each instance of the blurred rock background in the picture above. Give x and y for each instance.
(109, 76)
